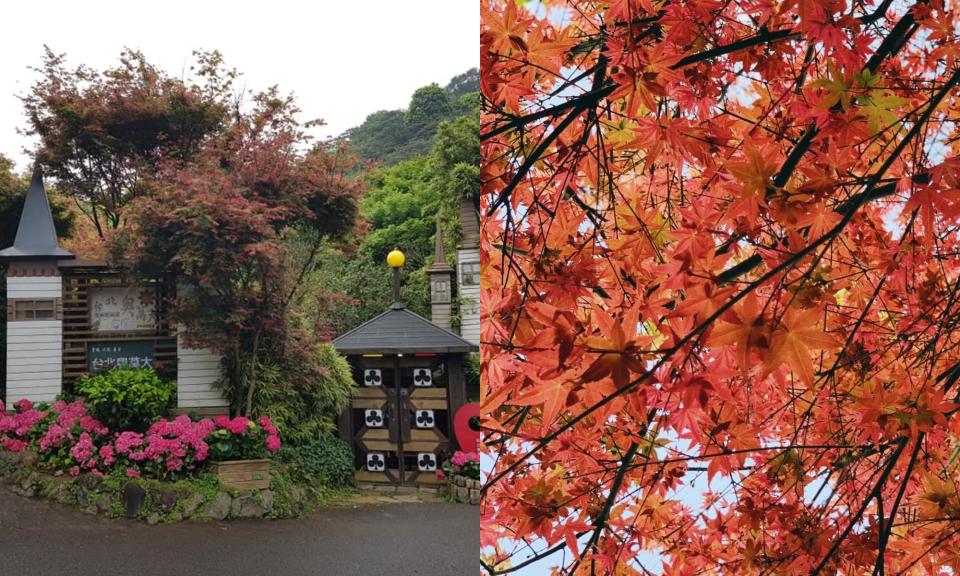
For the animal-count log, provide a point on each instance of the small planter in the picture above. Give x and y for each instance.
(243, 474)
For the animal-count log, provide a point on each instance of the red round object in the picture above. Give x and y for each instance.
(467, 438)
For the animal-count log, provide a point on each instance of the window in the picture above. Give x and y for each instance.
(19, 310)
(470, 273)
(441, 290)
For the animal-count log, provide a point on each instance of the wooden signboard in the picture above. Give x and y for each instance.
(122, 309)
(102, 356)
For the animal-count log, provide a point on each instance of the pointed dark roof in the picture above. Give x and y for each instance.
(36, 236)
(439, 258)
(400, 331)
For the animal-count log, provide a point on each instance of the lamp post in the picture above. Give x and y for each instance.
(395, 260)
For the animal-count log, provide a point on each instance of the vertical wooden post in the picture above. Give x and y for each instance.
(345, 421)
(456, 390)
(396, 286)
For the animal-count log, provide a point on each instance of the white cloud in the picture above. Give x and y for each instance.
(343, 60)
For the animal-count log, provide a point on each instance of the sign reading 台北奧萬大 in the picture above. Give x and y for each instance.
(121, 309)
(102, 356)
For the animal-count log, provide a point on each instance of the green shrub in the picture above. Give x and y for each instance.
(327, 461)
(471, 376)
(127, 398)
(304, 399)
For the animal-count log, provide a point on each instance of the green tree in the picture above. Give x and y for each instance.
(429, 105)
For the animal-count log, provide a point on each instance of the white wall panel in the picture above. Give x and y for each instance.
(198, 371)
(34, 347)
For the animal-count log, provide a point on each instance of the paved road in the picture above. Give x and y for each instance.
(38, 538)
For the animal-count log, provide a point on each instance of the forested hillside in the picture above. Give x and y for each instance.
(423, 160)
(391, 136)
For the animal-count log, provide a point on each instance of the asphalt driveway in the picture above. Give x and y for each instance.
(38, 538)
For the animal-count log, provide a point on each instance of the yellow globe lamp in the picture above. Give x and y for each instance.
(396, 259)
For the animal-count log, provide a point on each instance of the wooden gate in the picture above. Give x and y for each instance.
(400, 419)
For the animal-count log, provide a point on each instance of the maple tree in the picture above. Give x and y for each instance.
(102, 133)
(240, 228)
(720, 287)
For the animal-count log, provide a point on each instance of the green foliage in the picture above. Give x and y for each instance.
(127, 398)
(471, 375)
(282, 485)
(429, 104)
(304, 400)
(392, 136)
(398, 193)
(430, 158)
(458, 142)
(327, 461)
(225, 445)
(402, 203)
(349, 289)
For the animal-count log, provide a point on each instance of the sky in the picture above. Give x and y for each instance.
(342, 60)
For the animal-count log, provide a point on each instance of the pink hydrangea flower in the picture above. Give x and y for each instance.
(267, 425)
(106, 453)
(132, 473)
(25, 420)
(238, 425)
(23, 405)
(127, 441)
(92, 425)
(54, 437)
(75, 471)
(460, 459)
(440, 474)
(273, 442)
(83, 449)
(14, 445)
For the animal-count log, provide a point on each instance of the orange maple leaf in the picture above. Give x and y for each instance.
(745, 327)
(793, 343)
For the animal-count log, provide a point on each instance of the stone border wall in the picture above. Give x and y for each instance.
(464, 490)
(149, 500)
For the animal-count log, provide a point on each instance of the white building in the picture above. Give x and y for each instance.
(67, 317)
(468, 272)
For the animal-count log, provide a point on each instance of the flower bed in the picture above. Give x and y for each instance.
(69, 440)
(62, 452)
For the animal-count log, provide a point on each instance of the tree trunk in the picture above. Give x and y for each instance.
(252, 382)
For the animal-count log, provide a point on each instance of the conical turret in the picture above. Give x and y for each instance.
(36, 235)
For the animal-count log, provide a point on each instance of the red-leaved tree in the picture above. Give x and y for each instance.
(721, 286)
(223, 225)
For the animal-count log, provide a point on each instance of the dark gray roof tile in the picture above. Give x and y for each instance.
(400, 331)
